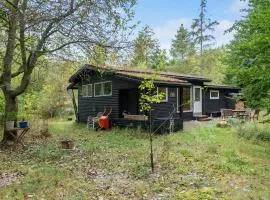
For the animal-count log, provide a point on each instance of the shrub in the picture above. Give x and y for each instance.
(264, 136)
(254, 131)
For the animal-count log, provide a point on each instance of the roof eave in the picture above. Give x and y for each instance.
(138, 80)
(72, 86)
(223, 87)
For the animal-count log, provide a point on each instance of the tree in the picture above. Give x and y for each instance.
(146, 48)
(149, 96)
(201, 27)
(32, 29)
(182, 45)
(248, 55)
(98, 56)
(158, 59)
(213, 61)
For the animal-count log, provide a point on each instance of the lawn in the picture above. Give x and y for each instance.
(207, 163)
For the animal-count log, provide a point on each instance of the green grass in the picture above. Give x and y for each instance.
(254, 131)
(210, 163)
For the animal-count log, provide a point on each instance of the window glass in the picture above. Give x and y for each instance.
(98, 89)
(103, 89)
(164, 91)
(214, 94)
(90, 90)
(186, 99)
(87, 90)
(84, 90)
(197, 94)
(107, 88)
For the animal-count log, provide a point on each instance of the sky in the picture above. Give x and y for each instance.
(166, 16)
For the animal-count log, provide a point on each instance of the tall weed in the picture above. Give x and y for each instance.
(254, 131)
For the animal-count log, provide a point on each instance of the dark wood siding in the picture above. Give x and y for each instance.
(90, 106)
(224, 101)
(164, 109)
(187, 116)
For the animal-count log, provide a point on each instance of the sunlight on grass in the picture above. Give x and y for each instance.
(207, 163)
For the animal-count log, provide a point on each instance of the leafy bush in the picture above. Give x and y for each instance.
(264, 135)
(254, 131)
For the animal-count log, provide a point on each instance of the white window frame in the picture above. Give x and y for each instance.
(211, 94)
(191, 99)
(91, 85)
(102, 89)
(166, 94)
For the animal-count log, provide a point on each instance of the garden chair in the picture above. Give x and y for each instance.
(92, 121)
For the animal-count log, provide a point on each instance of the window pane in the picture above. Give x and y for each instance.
(98, 89)
(84, 90)
(186, 99)
(163, 90)
(214, 94)
(107, 88)
(197, 94)
(90, 90)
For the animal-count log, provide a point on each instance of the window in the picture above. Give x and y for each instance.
(163, 90)
(103, 89)
(214, 94)
(87, 90)
(187, 99)
(107, 88)
(197, 95)
(98, 88)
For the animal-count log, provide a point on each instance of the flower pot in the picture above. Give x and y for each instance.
(67, 144)
(10, 125)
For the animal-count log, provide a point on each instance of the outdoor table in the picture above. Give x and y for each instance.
(21, 132)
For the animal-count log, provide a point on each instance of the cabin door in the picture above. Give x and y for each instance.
(197, 100)
(128, 102)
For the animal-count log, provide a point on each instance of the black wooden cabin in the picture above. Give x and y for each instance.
(117, 88)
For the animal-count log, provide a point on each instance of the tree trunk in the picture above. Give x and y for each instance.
(11, 112)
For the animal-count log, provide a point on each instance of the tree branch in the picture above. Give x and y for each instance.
(12, 4)
(22, 33)
(78, 42)
(18, 72)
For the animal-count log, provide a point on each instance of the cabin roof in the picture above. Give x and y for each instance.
(157, 77)
(161, 77)
(222, 87)
(161, 73)
(72, 86)
(139, 74)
